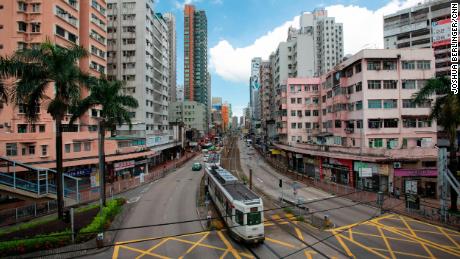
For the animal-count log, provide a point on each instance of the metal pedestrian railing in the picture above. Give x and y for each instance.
(37, 181)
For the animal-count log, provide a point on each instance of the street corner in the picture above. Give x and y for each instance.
(394, 235)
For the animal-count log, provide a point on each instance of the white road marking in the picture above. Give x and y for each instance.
(260, 180)
(145, 189)
(134, 199)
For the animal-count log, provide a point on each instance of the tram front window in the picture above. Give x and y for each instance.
(254, 218)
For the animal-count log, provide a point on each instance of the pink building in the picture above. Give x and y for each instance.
(27, 23)
(301, 102)
(365, 119)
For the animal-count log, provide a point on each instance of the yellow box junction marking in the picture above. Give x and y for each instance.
(229, 246)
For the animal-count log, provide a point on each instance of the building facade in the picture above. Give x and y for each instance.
(180, 93)
(191, 113)
(357, 125)
(171, 22)
(29, 23)
(426, 25)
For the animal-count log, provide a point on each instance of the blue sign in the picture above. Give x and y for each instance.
(79, 172)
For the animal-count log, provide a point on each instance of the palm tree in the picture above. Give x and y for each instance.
(38, 69)
(446, 111)
(115, 111)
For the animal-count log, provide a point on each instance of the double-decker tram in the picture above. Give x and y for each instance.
(240, 208)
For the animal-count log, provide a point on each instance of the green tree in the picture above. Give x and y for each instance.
(115, 111)
(446, 111)
(35, 71)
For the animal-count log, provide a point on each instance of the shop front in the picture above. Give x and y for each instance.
(124, 169)
(81, 172)
(140, 167)
(311, 166)
(422, 182)
(298, 164)
(337, 170)
(371, 176)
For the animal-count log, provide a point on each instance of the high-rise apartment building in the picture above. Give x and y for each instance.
(138, 51)
(171, 22)
(426, 25)
(28, 23)
(180, 93)
(196, 81)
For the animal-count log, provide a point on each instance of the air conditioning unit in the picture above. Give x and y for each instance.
(7, 124)
(397, 165)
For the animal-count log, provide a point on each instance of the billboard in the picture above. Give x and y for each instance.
(255, 65)
(441, 32)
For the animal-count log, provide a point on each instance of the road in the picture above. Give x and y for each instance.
(170, 199)
(359, 229)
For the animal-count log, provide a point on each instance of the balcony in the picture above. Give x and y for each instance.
(281, 130)
(349, 130)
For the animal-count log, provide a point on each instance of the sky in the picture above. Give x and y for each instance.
(239, 30)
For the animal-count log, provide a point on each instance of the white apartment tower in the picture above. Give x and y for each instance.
(171, 22)
(425, 25)
(138, 53)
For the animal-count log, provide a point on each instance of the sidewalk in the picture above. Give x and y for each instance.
(429, 208)
(16, 215)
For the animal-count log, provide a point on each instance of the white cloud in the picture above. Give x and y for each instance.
(363, 28)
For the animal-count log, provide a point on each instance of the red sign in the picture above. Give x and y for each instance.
(123, 165)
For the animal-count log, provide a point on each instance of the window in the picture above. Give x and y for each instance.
(374, 123)
(338, 124)
(390, 123)
(31, 149)
(11, 149)
(374, 84)
(390, 84)
(67, 148)
(373, 65)
(87, 146)
(35, 7)
(292, 100)
(35, 27)
(308, 125)
(408, 103)
(425, 104)
(390, 104)
(408, 84)
(41, 128)
(424, 123)
(389, 65)
(293, 125)
(421, 84)
(359, 105)
(293, 113)
(315, 112)
(299, 125)
(76, 147)
(392, 143)
(409, 123)
(359, 87)
(374, 104)
(307, 101)
(359, 124)
(44, 150)
(299, 100)
(307, 113)
(375, 143)
(21, 6)
(22, 26)
(424, 64)
(22, 128)
(254, 218)
(358, 68)
(239, 217)
(60, 31)
(408, 65)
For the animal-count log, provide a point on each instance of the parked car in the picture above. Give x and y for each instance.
(196, 167)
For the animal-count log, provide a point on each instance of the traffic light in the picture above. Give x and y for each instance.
(66, 217)
(281, 183)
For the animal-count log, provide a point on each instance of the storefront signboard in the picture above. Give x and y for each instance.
(411, 187)
(365, 172)
(124, 165)
(382, 169)
(416, 172)
(298, 155)
(94, 179)
(275, 152)
(79, 172)
(157, 140)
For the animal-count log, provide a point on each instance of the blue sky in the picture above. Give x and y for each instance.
(234, 26)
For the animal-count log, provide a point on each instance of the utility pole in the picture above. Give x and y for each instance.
(250, 179)
(442, 169)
